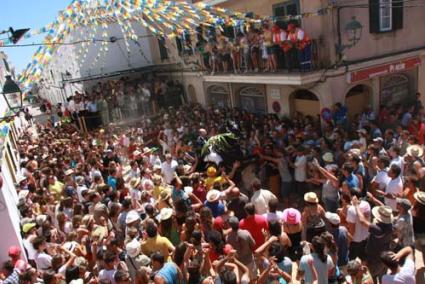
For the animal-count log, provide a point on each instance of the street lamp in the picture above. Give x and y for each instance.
(354, 30)
(12, 94)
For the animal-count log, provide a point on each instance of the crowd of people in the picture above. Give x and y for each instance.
(268, 47)
(335, 203)
(116, 100)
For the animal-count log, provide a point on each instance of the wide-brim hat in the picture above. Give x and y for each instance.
(164, 195)
(134, 182)
(20, 179)
(213, 195)
(165, 214)
(69, 172)
(383, 214)
(333, 218)
(328, 157)
(420, 197)
(133, 248)
(131, 217)
(415, 150)
(291, 216)
(311, 197)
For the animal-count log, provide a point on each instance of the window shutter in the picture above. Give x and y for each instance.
(397, 14)
(374, 16)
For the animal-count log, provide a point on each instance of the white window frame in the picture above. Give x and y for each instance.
(385, 5)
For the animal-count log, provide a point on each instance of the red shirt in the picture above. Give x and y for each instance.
(255, 225)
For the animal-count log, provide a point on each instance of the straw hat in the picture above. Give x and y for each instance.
(420, 197)
(333, 218)
(131, 217)
(213, 195)
(133, 248)
(165, 214)
(311, 197)
(415, 150)
(328, 157)
(291, 216)
(383, 214)
(164, 195)
(134, 182)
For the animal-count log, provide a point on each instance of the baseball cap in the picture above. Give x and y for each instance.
(14, 251)
(27, 227)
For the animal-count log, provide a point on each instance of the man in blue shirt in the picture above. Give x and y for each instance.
(349, 177)
(213, 202)
(112, 179)
(166, 273)
(340, 234)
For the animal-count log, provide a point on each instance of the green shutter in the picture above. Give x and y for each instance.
(397, 14)
(374, 16)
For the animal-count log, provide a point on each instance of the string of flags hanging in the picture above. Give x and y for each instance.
(162, 18)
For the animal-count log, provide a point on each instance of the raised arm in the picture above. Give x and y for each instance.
(261, 249)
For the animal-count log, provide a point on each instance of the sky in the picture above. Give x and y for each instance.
(31, 14)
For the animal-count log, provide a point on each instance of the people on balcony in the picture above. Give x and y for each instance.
(273, 47)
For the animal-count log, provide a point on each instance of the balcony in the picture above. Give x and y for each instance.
(304, 65)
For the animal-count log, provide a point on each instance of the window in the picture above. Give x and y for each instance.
(252, 99)
(385, 15)
(162, 48)
(218, 96)
(291, 7)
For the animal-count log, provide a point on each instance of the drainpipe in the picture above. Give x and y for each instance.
(338, 30)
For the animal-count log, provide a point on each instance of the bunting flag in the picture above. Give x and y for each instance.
(161, 18)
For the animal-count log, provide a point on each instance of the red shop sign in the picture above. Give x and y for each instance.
(377, 71)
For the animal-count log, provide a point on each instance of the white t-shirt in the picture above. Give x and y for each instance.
(274, 216)
(406, 275)
(135, 194)
(80, 190)
(300, 174)
(382, 179)
(168, 170)
(360, 232)
(399, 161)
(107, 275)
(43, 261)
(261, 199)
(395, 186)
(30, 249)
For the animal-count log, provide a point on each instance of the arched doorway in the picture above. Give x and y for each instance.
(304, 102)
(218, 96)
(252, 100)
(357, 99)
(192, 94)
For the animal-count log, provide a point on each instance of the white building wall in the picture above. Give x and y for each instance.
(116, 58)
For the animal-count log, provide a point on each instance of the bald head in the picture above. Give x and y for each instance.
(234, 192)
(202, 132)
